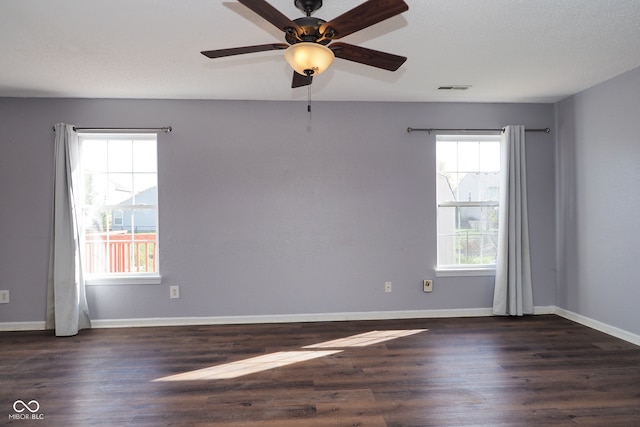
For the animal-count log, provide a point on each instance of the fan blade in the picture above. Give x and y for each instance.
(299, 80)
(271, 14)
(374, 58)
(220, 53)
(368, 13)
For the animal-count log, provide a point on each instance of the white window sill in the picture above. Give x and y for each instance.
(133, 279)
(465, 271)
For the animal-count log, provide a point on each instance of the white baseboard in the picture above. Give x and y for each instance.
(328, 317)
(599, 326)
(544, 309)
(22, 326)
(277, 318)
(290, 318)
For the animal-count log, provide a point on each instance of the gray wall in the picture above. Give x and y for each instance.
(266, 211)
(598, 159)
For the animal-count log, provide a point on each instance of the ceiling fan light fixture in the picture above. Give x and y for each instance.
(306, 56)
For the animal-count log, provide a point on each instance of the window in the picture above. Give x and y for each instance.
(120, 207)
(468, 190)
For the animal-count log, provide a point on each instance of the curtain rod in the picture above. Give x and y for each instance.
(165, 129)
(545, 130)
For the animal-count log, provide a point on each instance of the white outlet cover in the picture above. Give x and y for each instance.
(174, 292)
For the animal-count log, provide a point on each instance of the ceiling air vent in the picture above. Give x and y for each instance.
(454, 87)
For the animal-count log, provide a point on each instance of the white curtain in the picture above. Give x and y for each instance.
(67, 309)
(513, 293)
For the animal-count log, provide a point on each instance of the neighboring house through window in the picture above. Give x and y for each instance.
(468, 190)
(120, 210)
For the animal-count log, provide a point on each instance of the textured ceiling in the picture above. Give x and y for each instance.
(508, 50)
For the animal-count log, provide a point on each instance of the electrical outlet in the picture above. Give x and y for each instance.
(174, 291)
(4, 297)
(427, 285)
(387, 286)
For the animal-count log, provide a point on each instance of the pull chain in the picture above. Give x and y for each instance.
(309, 74)
(309, 100)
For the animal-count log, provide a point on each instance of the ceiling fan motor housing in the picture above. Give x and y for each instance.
(311, 31)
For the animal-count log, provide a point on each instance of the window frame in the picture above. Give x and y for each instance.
(115, 278)
(447, 270)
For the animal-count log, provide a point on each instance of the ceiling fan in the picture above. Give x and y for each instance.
(310, 49)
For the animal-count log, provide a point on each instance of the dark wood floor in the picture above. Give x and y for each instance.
(532, 371)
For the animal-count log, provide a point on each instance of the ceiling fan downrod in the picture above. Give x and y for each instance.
(308, 6)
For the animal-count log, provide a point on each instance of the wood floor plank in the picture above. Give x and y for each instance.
(341, 422)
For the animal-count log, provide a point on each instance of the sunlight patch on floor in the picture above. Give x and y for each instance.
(368, 338)
(250, 366)
(284, 358)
